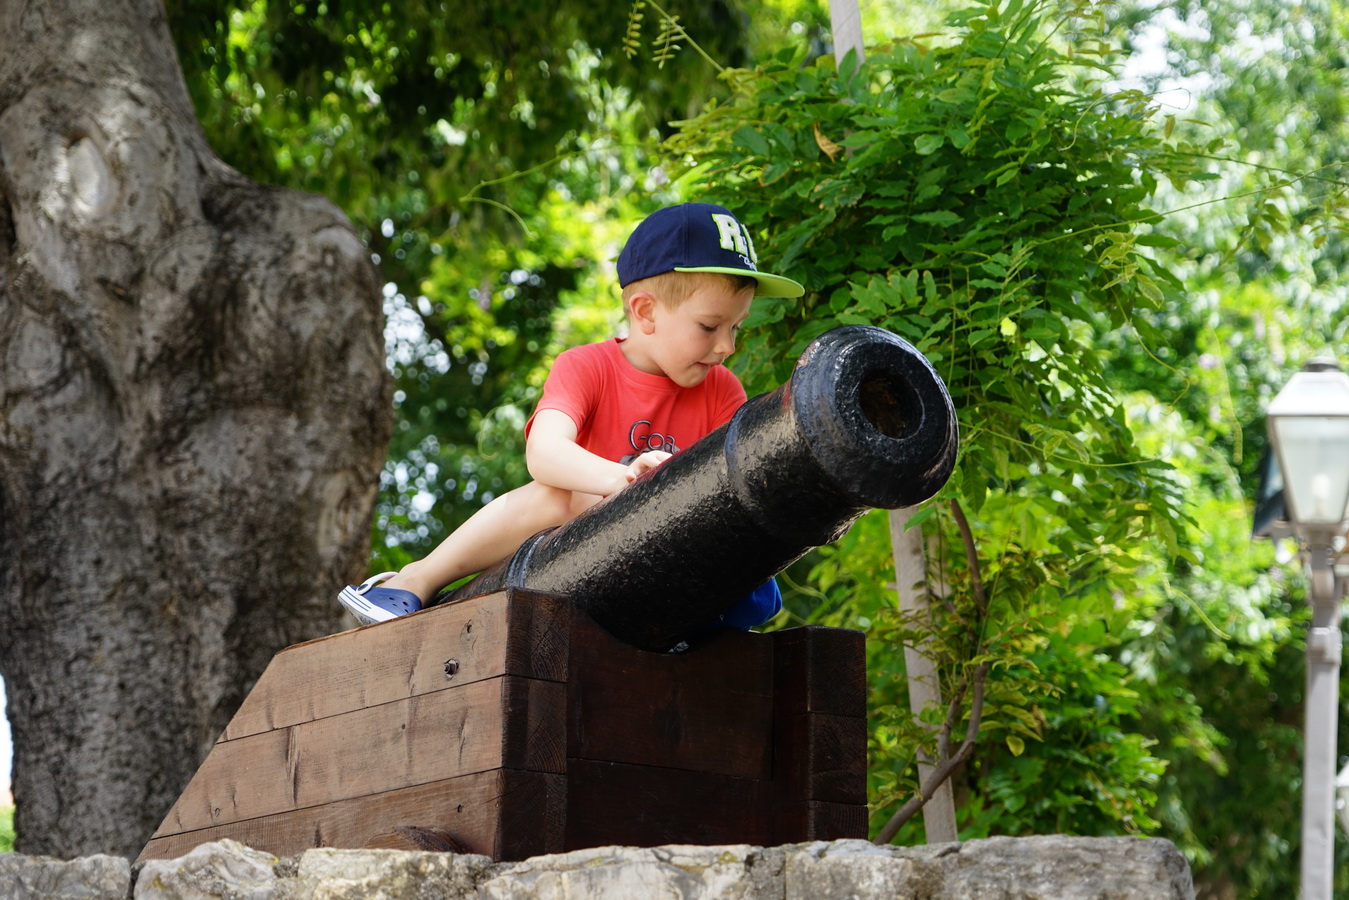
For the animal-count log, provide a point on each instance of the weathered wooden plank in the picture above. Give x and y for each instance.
(416, 837)
(538, 636)
(819, 734)
(502, 722)
(816, 820)
(534, 725)
(513, 633)
(645, 806)
(531, 811)
(709, 710)
(469, 808)
(821, 757)
(820, 669)
(239, 779)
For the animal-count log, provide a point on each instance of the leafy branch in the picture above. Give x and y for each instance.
(665, 44)
(951, 761)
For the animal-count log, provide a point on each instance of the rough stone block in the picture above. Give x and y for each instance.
(45, 878)
(326, 874)
(1049, 867)
(211, 871)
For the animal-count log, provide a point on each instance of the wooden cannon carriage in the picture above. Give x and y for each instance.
(542, 710)
(516, 726)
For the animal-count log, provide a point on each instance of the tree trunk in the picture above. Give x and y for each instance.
(193, 412)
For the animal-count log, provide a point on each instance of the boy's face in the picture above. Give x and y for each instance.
(688, 340)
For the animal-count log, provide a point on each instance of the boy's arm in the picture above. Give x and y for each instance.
(554, 458)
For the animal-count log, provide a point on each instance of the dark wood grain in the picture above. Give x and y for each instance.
(645, 806)
(709, 710)
(818, 669)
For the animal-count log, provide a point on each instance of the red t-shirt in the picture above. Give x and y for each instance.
(621, 411)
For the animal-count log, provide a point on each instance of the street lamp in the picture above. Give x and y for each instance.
(1309, 429)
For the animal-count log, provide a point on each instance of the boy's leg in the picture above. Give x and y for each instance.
(489, 536)
(751, 610)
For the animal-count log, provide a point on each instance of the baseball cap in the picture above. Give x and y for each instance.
(697, 237)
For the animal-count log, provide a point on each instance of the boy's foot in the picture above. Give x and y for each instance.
(370, 604)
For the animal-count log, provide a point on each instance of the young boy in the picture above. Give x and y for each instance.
(613, 410)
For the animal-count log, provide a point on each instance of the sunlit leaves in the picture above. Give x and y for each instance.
(986, 207)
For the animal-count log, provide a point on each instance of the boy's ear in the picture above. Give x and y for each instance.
(643, 308)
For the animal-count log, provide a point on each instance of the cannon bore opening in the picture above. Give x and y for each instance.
(889, 403)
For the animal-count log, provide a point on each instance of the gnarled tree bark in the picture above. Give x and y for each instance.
(193, 412)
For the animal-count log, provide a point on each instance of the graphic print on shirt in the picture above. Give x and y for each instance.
(641, 438)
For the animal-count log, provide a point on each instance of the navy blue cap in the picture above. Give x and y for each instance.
(697, 237)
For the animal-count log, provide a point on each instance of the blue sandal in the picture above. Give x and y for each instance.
(370, 604)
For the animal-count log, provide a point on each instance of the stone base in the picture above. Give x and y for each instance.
(1033, 868)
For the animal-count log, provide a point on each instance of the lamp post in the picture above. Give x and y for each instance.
(1309, 428)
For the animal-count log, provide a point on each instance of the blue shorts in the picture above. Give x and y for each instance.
(751, 610)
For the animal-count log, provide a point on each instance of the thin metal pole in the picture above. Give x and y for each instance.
(1322, 712)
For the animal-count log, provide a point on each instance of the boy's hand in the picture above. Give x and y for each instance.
(645, 463)
(554, 458)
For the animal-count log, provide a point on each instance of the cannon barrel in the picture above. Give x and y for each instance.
(863, 422)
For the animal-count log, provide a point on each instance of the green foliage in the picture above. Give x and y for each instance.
(432, 103)
(1059, 751)
(6, 829)
(1216, 656)
(1221, 664)
(1089, 775)
(983, 198)
(967, 199)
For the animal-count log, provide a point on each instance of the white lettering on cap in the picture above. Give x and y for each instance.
(733, 236)
(753, 257)
(728, 230)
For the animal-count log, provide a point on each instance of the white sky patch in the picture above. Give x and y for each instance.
(1148, 67)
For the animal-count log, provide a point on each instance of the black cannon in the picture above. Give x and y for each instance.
(515, 727)
(863, 422)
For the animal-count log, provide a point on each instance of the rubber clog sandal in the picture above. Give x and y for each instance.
(370, 604)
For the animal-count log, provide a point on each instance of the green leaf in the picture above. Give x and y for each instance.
(943, 217)
(1156, 240)
(858, 140)
(927, 144)
(772, 172)
(751, 140)
(956, 95)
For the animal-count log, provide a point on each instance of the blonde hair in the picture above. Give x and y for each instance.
(672, 288)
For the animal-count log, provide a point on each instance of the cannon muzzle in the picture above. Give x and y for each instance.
(864, 422)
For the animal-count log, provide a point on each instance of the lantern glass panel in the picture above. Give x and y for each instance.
(1314, 456)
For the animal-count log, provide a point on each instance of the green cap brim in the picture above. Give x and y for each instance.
(769, 285)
